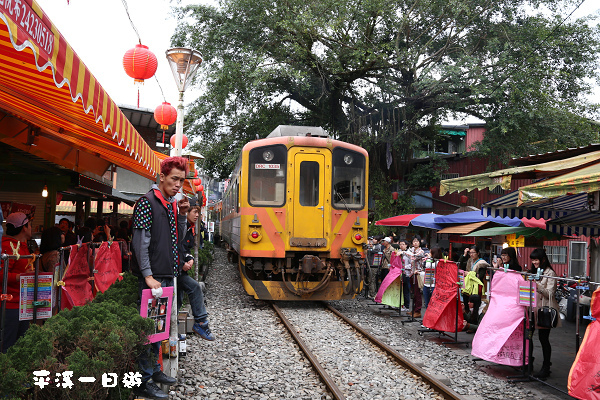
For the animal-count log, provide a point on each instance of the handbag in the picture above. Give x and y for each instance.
(547, 317)
(420, 280)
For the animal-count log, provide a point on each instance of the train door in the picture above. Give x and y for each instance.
(308, 228)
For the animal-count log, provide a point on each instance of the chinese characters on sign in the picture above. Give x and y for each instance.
(44, 296)
(42, 379)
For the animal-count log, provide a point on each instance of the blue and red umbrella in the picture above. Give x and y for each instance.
(420, 220)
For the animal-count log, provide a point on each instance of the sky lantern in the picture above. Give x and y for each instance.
(165, 115)
(140, 64)
(184, 141)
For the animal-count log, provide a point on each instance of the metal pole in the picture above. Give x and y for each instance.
(60, 274)
(179, 128)
(4, 294)
(35, 287)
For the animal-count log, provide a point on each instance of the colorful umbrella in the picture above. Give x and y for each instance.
(420, 220)
(475, 216)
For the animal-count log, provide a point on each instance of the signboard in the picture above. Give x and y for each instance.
(461, 239)
(211, 227)
(159, 310)
(26, 209)
(527, 295)
(44, 294)
(513, 241)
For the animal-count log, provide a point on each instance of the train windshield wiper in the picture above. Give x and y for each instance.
(343, 200)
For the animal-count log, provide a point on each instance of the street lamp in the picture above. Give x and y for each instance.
(184, 64)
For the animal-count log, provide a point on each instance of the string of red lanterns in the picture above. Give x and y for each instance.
(140, 64)
(165, 115)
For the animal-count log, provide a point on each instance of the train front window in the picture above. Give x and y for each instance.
(348, 179)
(309, 184)
(267, 176)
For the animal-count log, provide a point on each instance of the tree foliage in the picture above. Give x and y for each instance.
(384, 74)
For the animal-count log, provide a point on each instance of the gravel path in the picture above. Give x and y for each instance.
(360, 369)
(253, 356)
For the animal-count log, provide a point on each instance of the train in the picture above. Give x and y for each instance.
(295, 215)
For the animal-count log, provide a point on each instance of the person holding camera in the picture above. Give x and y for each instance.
(545, 291)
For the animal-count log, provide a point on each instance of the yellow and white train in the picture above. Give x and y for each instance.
(295, 215)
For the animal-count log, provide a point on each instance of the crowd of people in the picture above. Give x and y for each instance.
(162, 234)
(413, 268)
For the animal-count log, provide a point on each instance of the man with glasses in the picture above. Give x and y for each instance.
(18, 232)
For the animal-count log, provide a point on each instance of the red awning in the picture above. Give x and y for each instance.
(45, 84)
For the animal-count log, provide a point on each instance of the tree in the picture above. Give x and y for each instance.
(383, 74)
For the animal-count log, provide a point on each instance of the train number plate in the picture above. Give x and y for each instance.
(308, 242)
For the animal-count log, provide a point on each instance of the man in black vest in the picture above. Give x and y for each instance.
(158, 223)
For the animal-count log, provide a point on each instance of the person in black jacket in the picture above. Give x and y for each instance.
(187, 284)
(158, 223)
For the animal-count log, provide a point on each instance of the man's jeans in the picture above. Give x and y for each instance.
(187, 284)
(147, 368)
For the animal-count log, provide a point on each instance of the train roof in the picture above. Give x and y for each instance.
(292, 130)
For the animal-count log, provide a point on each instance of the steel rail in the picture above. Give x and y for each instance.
(327, 380)
(438, 386)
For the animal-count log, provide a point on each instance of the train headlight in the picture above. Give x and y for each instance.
(357, 236)
(255, 235)
(348, 159)
(268, 155)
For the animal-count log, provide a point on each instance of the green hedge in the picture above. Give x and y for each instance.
(104, 336)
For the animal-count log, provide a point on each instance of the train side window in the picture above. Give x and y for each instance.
(348, 179)
(309, 184)
(266, 179)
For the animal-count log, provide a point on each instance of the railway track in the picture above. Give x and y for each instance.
(407, 378)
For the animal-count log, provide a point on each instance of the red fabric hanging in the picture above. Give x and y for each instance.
(77, 275)
(584, 379)
(108, 264)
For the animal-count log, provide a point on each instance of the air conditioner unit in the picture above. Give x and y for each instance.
(594, 201)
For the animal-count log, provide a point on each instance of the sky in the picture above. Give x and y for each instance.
(100, 33)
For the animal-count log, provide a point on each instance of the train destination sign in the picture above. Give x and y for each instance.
(266, 166)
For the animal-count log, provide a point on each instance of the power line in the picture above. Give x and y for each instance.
(130, 20)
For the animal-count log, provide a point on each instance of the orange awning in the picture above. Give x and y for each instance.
(69, 118)
(463, 229)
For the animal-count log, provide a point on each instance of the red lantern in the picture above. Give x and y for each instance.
(197, 188)
(165, 115)
(201, 188)
(197, 182)
(195, 173)
(140, 63)
(184, 141)
(204, 202)
(433, 189)
(395, 195)
(464, 199)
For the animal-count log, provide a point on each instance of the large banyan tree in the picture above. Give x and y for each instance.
(385, 73)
